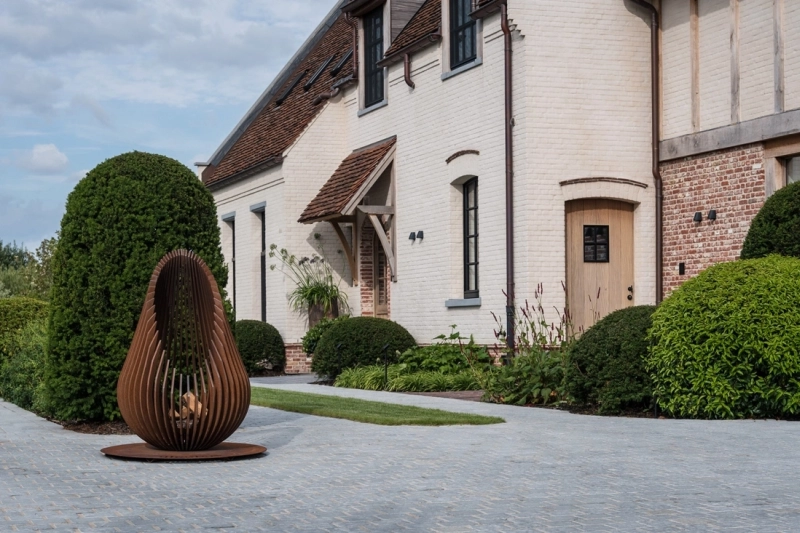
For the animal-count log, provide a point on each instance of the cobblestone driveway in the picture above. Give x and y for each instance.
(541, 471)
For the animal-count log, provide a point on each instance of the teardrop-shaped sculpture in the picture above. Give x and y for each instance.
(183, 387)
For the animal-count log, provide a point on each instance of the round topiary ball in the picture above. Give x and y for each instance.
(359, 341)
(260, 345)
(606, 365)
(726, 344)
(120, 220)
(776, 227)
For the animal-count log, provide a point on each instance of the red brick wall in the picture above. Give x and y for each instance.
(367, 272)
(297, 362)
(732, 182)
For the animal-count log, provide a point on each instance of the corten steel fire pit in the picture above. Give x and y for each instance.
(183, 388)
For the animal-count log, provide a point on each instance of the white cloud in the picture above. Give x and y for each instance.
(44, 159)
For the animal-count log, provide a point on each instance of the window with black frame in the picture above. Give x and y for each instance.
(471, 238)
(373, 52)
(463, 34)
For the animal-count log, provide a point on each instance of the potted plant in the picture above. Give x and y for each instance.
(315, 292)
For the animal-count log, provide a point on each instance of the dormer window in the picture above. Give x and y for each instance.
(373, 52)
(463, 34)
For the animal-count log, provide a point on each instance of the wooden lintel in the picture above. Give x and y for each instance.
(348, 251)
(377, 209)
(387, 247)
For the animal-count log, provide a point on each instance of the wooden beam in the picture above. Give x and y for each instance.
(736, 115)
(387, 247)
(376, 209)
(694, 26)
(348, 251)
(778, 62)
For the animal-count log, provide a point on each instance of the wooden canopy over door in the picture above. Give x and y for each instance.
(599, 259)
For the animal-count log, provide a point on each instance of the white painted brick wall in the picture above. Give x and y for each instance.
(582, 108)
(791, 46)
(756, 52)
(676, 54)
(715, 63)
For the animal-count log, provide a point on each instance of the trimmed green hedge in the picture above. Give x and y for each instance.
(606, 365)
(776, 227)
(726, 344)
(401, 380)
(312, 337)
(360, 342)
(120, 220)
(22, 371)
(15, 313)
(260, 343)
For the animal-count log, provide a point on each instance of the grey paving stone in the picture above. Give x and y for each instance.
(541, 471)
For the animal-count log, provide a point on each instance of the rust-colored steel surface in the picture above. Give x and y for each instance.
(183, 387)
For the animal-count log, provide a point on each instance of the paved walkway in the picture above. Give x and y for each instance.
(541, 471)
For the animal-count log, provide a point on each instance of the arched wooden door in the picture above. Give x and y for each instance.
(599, 259)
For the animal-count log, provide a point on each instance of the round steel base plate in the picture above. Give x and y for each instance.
(145, 452)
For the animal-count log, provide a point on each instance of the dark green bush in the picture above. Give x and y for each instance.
(360, 342)
(260, 345)
(606, 364)
(776, 227)
(120, 220)
(22, 370)
(537, 377)
(15, 313)
(726, 344)
(312, 336)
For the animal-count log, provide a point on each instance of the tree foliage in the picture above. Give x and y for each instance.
(121, 219)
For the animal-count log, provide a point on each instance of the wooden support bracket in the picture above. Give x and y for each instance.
(348, 251)
(387, 247)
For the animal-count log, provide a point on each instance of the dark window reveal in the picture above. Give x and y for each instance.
(595, 244)
(373, 52)
(463, 34)
(471, 238)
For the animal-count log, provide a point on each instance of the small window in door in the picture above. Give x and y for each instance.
(595, 244)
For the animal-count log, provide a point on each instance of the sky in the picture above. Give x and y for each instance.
(85, 80)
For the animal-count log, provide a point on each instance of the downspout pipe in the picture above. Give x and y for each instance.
(656, 123)
(509, 130)
(353, 24)
(407, 70)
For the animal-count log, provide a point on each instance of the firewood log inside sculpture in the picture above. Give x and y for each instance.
(183, 387)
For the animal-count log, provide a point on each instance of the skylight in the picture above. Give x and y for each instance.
(341, 63)
(291, 87)
(318, 73)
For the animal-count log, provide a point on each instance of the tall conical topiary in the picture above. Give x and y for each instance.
(121, 219)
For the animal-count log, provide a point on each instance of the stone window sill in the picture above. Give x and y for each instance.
(463, 302)
(463, 68)
(373, 107)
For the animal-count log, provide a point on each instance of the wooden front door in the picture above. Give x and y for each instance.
(381, 285)
(599, 259)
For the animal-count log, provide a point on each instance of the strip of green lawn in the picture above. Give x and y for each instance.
(385, 414)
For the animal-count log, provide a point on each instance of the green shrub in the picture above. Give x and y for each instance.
(22, 371)
(725, 344)
(448, 356)
(260, 346)
(537, 377)
(606, 364)
(15, 313)
(776, 227)
(311, 338)
(402, 380)
(359, 341)
(120, 220)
